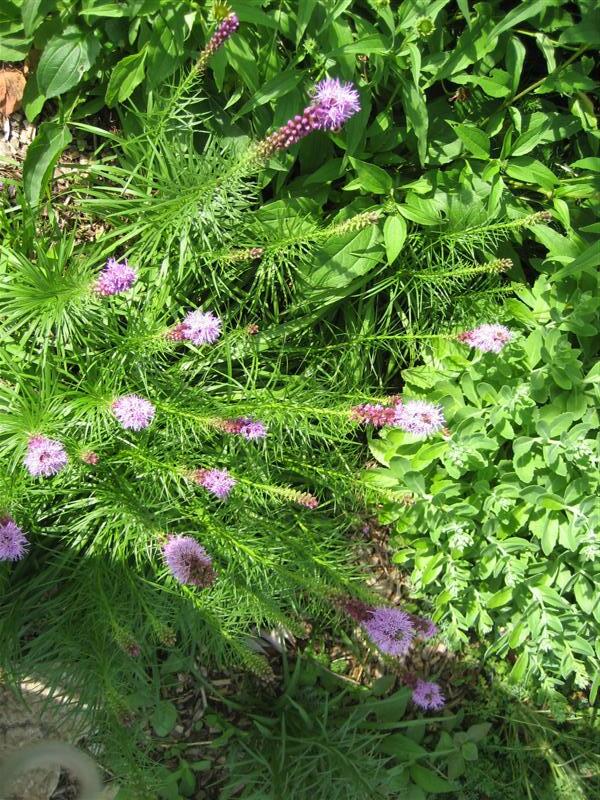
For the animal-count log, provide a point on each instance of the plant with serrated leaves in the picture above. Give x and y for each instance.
(500, 531)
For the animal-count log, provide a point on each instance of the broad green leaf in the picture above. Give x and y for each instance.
(371, 177)
(42, 155)
(550, 535)
(343, 259)
(515, 58)
(107, 10)
(530, 170)
(394, 236)
(519, 669)
(585, 594)
(126, 75)
(274, 89)
(501, 598)
(247, 12)
(163, 718)
(64, 60)
(14, 49)
(430, 781)
(592, 163)
(474, 139)
(401, 746)
(32, 14)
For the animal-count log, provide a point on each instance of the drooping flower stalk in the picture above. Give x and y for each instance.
(332, 105)
(13, 542)
(45, 457)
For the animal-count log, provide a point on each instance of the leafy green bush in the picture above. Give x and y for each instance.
(326, 738)
(98, 52)
(499, 526)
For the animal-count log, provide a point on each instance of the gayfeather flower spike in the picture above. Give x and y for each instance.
(246, 427)
(333, 104)
(390, 629)
(216, 481)
(116, 277)
(428, 696)
(188, 561)
(487, 338)
(13, 542)
(45, 457)
(133, 412)
(419, 417)
(226, 29)
(374, 414)
(198, 327)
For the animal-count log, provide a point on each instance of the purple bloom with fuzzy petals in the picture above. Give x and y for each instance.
(335, 102)
(200, 327)
(245, 426)
(216, 481)
(487, 338)
(13, 542)
(188, 561)
(428, 696)
(390, 629)
(116, 277)
(45, 457)
(133, 412)
(424, 627)
(419, 417)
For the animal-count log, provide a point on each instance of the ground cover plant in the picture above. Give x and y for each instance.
(290, 205)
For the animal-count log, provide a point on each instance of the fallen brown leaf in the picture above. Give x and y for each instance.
(12, 86)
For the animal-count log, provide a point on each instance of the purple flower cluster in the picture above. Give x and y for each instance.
(188, 561)
(245, 426)
(115, 278)
(199, 327)
(13, 542)
(307, 500)
(45, 457)
(428, 696)
(419, 417)
(390, 629)
(333, 104)
(216, 481)
(133, 412)
(487, 338)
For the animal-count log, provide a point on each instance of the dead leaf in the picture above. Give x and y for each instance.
(12, 86)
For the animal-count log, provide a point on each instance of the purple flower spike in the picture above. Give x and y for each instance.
(13, 542)
(428, 696)
(45, 457)
(133, 412)
(247, 427)
(374, 414)
(391, 630)
(424, 627)
(216, 481)
(188, 561)
(227, 27)
(115, 278)
(487, 338)
(419, 417)
(335, 102)
(200, 327)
